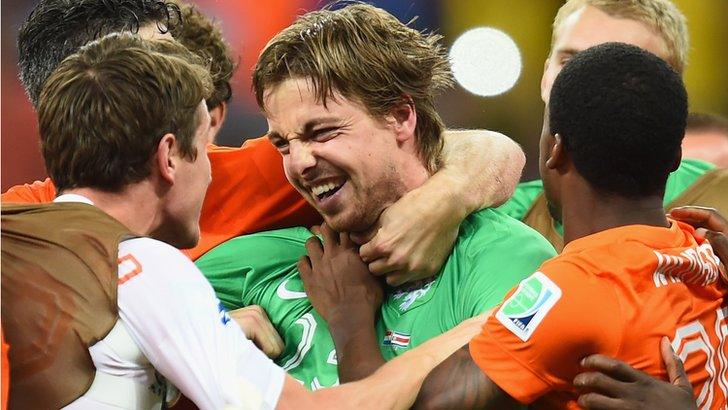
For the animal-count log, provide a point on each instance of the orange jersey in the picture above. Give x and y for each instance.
(5, 371)
(616, 293)
(248, 193)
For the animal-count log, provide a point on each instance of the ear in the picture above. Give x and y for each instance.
(677, 159)
(404, 119)
(167, 158)
(217, 118)
(557, 153)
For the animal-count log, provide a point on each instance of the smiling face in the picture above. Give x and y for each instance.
(345, 162)
(588, 27)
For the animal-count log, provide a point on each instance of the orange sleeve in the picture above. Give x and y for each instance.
(538, 336)
(37, 192)
(249, 192)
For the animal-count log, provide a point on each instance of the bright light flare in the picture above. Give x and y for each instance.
(485, 61)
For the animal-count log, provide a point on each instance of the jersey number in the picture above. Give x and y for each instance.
(693, 338)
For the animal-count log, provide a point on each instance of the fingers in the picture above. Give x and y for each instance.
(346, 241)
(596, 401)
(674, 366)
(719, 242)
(383, 266)
(613, 368)
(330, 237)
(701, 217)
(304, 267)
(257, 328)
(314, 249)
(600, 383)
(371, 251)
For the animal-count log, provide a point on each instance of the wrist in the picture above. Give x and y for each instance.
(345, 326)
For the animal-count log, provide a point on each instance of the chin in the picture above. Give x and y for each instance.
(348, 222)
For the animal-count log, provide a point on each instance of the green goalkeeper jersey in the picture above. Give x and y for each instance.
(492, 253)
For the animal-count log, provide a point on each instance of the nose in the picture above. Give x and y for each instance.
(301, 157)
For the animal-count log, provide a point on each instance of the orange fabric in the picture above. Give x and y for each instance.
(249, 193)
(622, 290)
(5, 377)
(36, 193)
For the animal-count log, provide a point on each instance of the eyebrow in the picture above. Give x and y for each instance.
(308, 127)
(567, 50)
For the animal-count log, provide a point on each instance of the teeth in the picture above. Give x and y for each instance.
(322, 189)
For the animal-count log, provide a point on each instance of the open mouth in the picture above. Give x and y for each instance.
(328, 189)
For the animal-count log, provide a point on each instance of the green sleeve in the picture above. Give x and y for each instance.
(688, 172)
(501, 254)
(522, 200)
(246, 265)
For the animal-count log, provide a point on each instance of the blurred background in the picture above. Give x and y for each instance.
(516, 111)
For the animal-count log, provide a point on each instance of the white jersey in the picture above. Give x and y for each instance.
(170, 320)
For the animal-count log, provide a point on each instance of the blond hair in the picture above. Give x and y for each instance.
(368, 56)
(660, 15)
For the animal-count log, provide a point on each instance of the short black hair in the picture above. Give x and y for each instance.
(56, 29)
(621, 112)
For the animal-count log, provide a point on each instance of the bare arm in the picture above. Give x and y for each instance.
(481, 169)
(485, 166)
(395, 385)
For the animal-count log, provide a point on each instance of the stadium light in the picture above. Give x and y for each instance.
(485, 61)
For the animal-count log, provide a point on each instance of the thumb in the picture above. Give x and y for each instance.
(674, 366)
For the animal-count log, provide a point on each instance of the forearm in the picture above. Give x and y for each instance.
(482, 168)
(459, 383)
(357, 350)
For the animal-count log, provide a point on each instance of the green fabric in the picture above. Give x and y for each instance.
(491, 255)
(526, 193)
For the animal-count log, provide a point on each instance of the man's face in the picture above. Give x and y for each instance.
(186, 195)
(339, 157)
(589, 27)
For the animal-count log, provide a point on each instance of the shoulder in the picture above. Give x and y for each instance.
(490, 229)
(154, 260)
(276, 244)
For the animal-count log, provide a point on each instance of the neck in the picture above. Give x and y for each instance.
(586, 212)
(136, 206)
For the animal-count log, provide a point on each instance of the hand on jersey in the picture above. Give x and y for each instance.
(337, 282)
(709, 223)
(415, 237)
(613, 384)
(257, 328)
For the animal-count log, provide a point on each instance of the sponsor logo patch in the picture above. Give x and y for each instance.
(396, 339)
(530, 303)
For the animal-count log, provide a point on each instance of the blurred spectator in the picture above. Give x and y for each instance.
(706, 138)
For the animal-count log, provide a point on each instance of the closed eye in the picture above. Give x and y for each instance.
(325, 134)
(281, 144)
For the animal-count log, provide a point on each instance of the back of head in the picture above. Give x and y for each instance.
(56, 29)
(621, 112)
(661, 15)
(368, 56)
(104, 110)
(204, 37)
